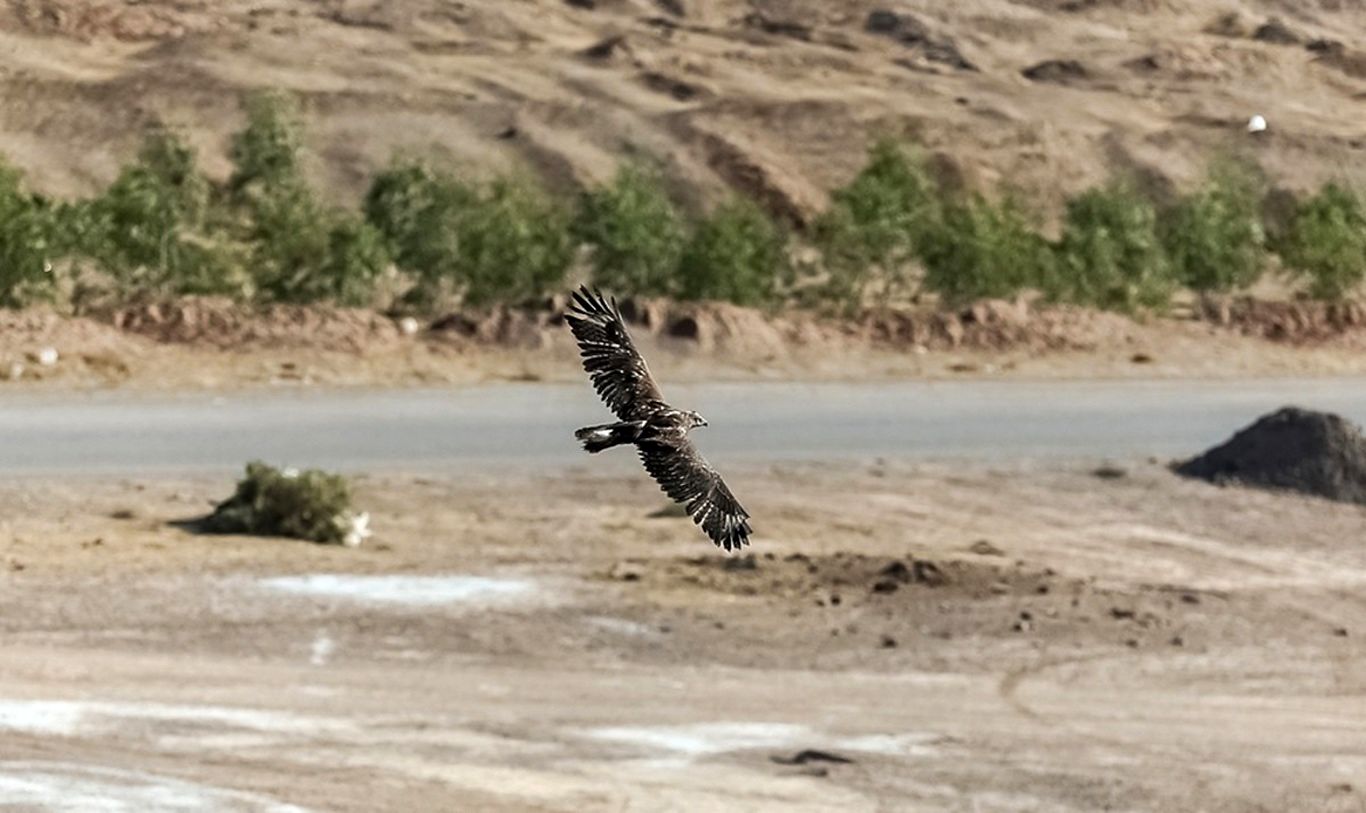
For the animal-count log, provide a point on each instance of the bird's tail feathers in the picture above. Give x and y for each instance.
(597, 438)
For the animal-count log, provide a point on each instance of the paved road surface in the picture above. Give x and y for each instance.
(532, 423)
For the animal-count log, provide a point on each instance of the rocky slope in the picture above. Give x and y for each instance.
(777, 98)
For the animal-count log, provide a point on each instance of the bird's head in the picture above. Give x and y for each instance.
(695, 420)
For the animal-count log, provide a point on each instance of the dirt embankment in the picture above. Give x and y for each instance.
(214, 343)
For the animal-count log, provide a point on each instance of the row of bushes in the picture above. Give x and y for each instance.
(893, 227)
(426, 238)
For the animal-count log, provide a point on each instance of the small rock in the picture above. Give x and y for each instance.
(888, 642)
(835, 600)
(48, 356)
(1277, 32)
(896, 571)
(1256, 124)
(1190, 598)
(625, 572)
(1325, 47)
(1000, 588)
(1132, 643)
(1340, 632)
(1022, 626)
(1060, 71)
(811, 755)
(408, 326)
(886, 586)
(1178, 641)
(1109, 472)
(1141, 358)
(1121, 613)
(928, 573)
(983, 547)
(1026, 615)
(605, 48)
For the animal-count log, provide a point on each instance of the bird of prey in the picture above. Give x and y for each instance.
(658, 430)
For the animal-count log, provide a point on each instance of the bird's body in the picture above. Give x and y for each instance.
(657, 430)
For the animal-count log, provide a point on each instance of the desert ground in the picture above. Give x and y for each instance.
(944, 630)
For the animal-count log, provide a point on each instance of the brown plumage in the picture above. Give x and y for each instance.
(658, 430)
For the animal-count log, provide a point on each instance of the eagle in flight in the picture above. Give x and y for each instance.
(658, 430)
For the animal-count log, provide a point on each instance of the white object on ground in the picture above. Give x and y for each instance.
(48, 356)
(1256, 124)
(359, 531)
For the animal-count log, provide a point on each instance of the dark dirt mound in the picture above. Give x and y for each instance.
(1300, 450)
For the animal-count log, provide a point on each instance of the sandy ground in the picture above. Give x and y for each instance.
(1027, 636)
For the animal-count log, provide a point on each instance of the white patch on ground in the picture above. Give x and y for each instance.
(423, 591)
(622, 626)
(53, 719)
(71, 718)
(917, 744)
(322, 649)
(58, 787)
(704, 739)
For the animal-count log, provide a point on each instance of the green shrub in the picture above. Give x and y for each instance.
(267, 150)
(985, 250)
(1326, 241)
(512, 244)
(635, 232)
(304, 252)
(505, 242)
(29, 242)
(1110, 255)
(311, 505)
(736, 254)
(879, 222)
(1214, 238)
(149, 229)
(418, 211)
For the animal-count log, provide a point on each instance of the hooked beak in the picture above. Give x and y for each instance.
(702, 421)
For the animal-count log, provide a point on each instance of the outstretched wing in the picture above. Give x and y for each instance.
(687, 478)
(612, 362)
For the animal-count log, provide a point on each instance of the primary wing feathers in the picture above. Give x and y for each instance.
(616, 368)
(686, 477)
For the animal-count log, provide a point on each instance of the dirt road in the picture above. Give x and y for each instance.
(972, 637)
(531, 424)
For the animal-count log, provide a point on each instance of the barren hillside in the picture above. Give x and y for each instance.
(776, 97)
